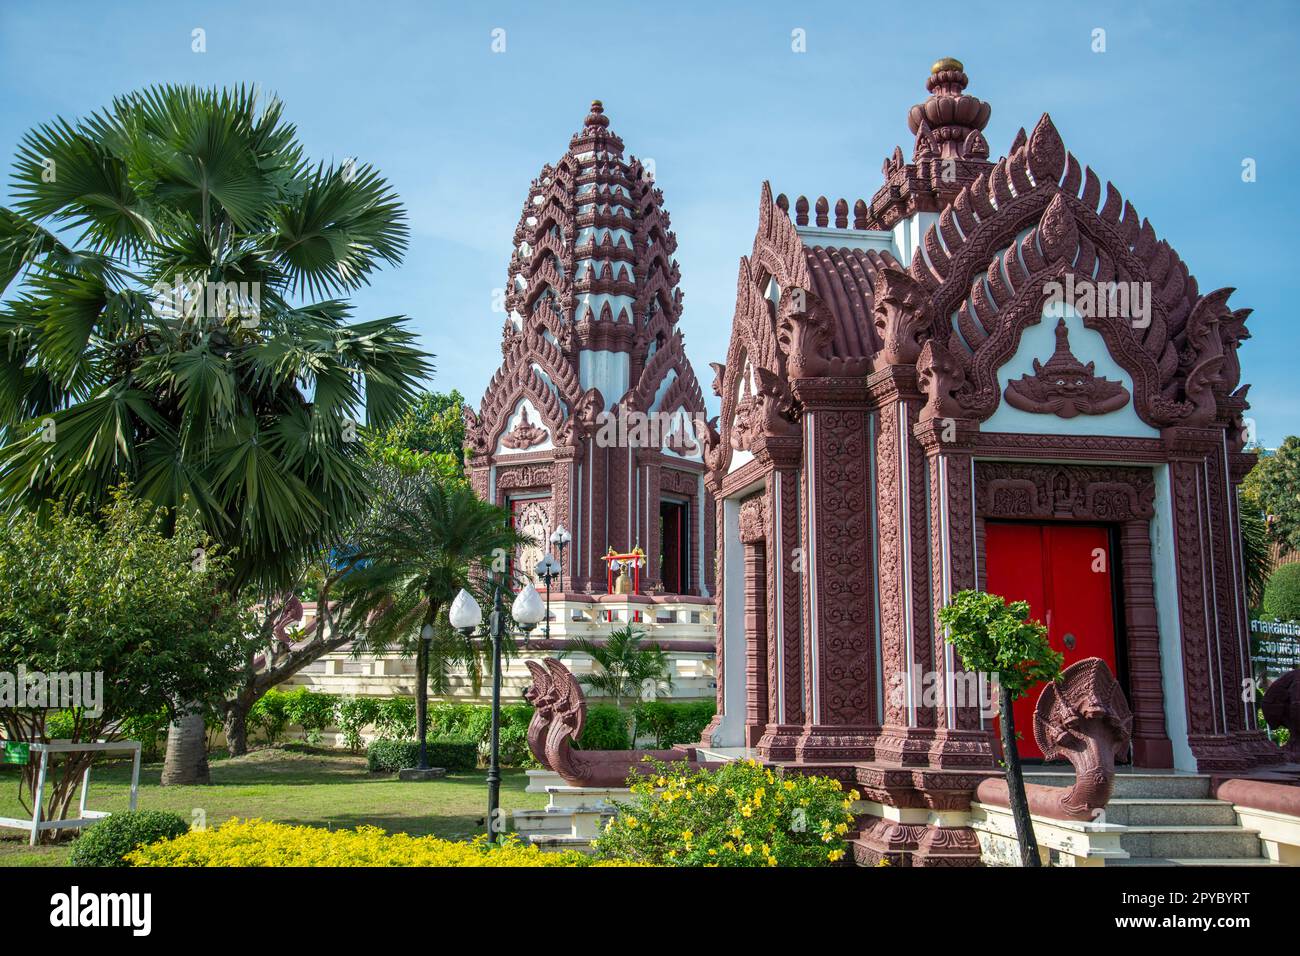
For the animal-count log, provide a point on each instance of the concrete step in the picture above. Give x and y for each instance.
(1183, 842)
(540, 821)
(1194, 861)
(1146, 811)
(1160, 786)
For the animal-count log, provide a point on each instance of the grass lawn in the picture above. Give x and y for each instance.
(288, 785)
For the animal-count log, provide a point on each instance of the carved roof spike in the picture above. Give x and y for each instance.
(950, 115)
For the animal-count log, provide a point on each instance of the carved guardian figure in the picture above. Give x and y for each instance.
(559, 716)
(1085, 719)
(1064, 386)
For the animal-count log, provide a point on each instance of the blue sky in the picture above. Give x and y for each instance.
(714, 94)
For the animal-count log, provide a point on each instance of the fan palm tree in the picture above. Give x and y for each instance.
(431, 536)
(624, 668)
(179, 324)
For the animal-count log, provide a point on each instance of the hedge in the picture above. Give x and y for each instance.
(449, 752)
(107, 843)
(673, 722)
(605, 729)
(259, 843)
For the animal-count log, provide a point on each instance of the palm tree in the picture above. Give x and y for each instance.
(625, 669)
(179, 324)
(431, 536)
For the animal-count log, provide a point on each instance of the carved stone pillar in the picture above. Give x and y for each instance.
(589, 570)
(753, 537)
(960, 739)
(1151, 745)
(651, 470)
(719, 604)
(786, 562)
(904, 544)
(839, 678)
(1214, 643)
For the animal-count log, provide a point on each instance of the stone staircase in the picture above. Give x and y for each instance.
(1171, 820)
(572, 817)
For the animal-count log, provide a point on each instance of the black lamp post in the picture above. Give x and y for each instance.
(466, 616)
(547, 569)
(560, 537)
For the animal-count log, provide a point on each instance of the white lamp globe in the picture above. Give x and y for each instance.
(426, 632)
(465, 613)
(528, 608)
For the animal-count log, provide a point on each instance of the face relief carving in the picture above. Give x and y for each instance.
(1064, 386)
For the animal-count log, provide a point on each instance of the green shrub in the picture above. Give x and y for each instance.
(1282, 595)
(394, 755)
(742, 814)
(514, 736)
(107, 842)
(270, 715)
(673, 722)
(150, 730)
(396, 720)
(58, 724)
(312, 711)
(605, 729)
(356, 713)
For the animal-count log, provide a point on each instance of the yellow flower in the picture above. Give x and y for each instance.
(789, 784)
(737, 832)
(687, 834)
(841, 828)
(746, 811)
(749, 850)
(631, 822)
(835, 855)
(729, 846)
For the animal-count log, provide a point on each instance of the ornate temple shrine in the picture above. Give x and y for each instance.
(593, 421)
(993, 373)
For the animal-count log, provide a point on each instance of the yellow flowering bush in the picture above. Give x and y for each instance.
(741, 814)
(261, 843)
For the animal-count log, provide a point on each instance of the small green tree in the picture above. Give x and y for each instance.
(142, 613)
(1274, 486)
(997, 638)
(431, 537)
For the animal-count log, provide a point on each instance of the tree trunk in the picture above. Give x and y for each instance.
(422, 700)
(236, 726)
(1016, 783)
(187, 751)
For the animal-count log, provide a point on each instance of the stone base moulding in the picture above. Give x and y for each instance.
(1060, 842)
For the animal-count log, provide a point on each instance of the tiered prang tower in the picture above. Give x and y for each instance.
(592, 420)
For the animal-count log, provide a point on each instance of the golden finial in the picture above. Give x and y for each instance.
(947, 63)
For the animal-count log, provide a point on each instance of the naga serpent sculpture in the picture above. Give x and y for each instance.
(1082, 718)
(559, 713)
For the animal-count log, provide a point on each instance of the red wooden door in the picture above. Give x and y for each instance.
(1064, 572)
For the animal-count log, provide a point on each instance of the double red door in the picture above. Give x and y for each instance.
(1064, 571)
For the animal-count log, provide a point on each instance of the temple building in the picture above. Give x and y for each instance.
(592, 422)
(990, 374)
